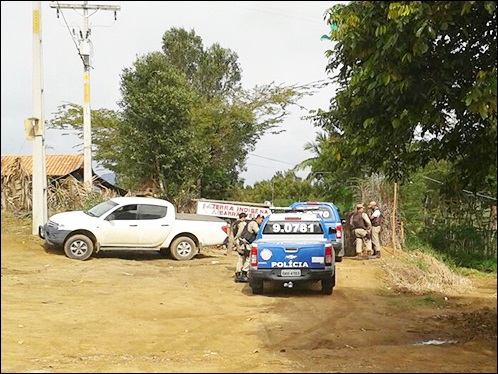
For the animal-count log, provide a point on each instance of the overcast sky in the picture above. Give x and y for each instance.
(275, 41)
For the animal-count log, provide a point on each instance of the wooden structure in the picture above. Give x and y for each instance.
(63, 171)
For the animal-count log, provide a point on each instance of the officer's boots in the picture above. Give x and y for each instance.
(244, 276)
(238, 277)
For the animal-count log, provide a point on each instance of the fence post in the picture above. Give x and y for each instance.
(394, 216)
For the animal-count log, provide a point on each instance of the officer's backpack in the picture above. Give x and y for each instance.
(249, 236)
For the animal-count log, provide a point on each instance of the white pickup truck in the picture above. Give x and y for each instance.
(133, 223)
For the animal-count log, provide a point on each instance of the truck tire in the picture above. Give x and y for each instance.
(183, 248)
(78, 247)
(256, 286)
(338, 259)
(328, 285)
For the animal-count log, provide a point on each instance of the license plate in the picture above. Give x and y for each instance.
(291, 273)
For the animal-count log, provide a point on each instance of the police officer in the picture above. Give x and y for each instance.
(376, 219)
(361, 230)
(237, 245)
(244, 257)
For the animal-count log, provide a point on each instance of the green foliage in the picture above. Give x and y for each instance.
(461, 262)
(467, 246)
(212, 72)
(69, 116)
(417, 82)
(330, 180)
(456, 224)
(185, 124)
(282, 190)
(158, 144)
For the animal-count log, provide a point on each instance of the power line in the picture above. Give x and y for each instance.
(84, 51)
(466, 191)
(70, 33)
(263, 166)
(272, 159)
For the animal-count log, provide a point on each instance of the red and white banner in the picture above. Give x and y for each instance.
(226, 210)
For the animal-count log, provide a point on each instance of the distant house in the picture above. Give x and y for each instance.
(58, 167)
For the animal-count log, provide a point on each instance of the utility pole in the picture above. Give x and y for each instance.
(84, 52)
(35, 128)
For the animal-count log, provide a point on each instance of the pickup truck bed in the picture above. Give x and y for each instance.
(291, 248)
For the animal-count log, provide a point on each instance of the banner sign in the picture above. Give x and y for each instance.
(225, 210)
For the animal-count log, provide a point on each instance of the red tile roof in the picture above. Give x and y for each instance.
(56, 165)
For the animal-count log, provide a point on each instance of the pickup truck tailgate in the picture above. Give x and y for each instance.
(278, 255)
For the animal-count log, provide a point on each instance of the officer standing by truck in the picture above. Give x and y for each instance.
(376, 219)
(244, 253)
(362, 227)
(238, 228)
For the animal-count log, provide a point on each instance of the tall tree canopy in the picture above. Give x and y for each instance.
(185, 123)
(417, 82)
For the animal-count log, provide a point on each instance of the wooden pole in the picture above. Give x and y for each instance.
(37, 123)
(393, 223)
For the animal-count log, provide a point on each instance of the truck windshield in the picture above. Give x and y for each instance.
(292, 227)
(101, 208)
(323, 210)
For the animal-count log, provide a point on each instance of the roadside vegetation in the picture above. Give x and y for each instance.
(412, 126)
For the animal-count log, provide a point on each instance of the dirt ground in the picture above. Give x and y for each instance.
(140, 312)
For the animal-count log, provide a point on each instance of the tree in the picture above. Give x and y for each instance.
(69, 116)
(185, 124)
(212, 72)
(417, 82)
(331, 181)
(157, 136)
(283, 189)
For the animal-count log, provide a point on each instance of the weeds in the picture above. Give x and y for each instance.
(422, 274)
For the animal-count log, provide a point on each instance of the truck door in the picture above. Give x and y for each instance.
(155, 224)
(120, 228)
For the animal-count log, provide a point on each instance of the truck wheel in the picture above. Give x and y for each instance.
(257, 287)
(183, 249)
(338, 259)
(78, 247)
(327, 286)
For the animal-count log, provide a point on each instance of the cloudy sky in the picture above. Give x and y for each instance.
(276, 41)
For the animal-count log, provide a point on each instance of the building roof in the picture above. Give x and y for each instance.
(56, 165)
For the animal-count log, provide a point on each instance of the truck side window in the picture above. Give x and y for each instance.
(151, 211)
(127, 212)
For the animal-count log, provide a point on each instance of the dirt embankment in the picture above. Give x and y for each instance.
(140, 312)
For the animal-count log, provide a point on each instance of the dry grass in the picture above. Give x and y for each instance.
(70, 194)
(65, 194)
(16, 189)
(419, 273)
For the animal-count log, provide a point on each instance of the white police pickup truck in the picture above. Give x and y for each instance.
(292, 247)
(133, 223)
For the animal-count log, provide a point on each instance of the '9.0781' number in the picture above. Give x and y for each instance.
(294, 227)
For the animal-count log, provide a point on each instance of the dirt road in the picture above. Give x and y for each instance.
(141, 312)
